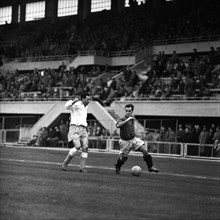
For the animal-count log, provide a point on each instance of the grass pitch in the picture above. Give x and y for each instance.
(33, 186)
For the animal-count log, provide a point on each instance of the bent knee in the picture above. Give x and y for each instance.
(143, 150)
(76, 144)
(145, 153)
(122, 158)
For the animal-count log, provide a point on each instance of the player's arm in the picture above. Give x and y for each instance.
(70, 103)
(122, 122)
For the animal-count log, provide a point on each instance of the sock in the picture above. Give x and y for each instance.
(70, 155)
(84, 156)
(68, 159)
(121, 161)
(148, 160)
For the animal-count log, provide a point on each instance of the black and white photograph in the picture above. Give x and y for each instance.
(109, 110)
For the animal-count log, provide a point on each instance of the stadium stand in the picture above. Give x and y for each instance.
(162, 75)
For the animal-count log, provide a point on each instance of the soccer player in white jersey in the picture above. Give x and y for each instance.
(77, 130)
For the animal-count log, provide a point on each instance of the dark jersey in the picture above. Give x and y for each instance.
(126, 130)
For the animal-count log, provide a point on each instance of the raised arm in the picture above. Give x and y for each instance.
(70, 103)
(121, 123)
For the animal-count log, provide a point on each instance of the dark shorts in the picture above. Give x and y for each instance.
(127, 145)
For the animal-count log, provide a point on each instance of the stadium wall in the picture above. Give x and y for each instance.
(51, 110)
(201, 108)
(209, 108)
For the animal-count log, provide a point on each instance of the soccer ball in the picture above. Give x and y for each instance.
(136, 171)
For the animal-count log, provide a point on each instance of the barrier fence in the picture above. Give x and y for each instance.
(110, 144)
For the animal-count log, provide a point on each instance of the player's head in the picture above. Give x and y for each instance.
(129, 108)
(86, 98)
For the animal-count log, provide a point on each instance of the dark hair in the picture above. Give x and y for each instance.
(130, 106)
(84, 95)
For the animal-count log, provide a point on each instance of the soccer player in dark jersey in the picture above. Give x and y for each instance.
(128, 141)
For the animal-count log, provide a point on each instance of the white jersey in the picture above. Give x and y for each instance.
(78, 113)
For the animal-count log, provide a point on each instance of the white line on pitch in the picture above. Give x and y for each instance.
(164, 156)
(111, 168)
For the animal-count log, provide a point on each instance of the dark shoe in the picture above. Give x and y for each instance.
(117, 170)
(64, 166)
(83, 170)
(154, 169)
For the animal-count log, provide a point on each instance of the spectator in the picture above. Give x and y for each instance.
(40, 138)
(189, 86)
(155, 138)
(134, 79)
(111, 97)
(195, 134)
(53, 137)
(121, 90)
(187, 138)
(98, 131)
(209, 140)
(216, 80)
(163, 148)
(35, 137)
(170, 135)
(66, 130)
(175, 58)
(51, 134)
(216, 135)
(202, 139)
(62, 130)
(106, 133)
(216, 147)
(212, 56)
(180, 133)
(113, 84)
(127, 74)
(194, 56)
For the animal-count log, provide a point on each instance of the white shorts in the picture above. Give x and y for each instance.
(77, 132)
(126, 146)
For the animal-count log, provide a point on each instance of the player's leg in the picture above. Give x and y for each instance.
(84, 154)
(73, 136)
(70, 155)
(125, 148)
(121, 160)
(139, 145)
(148, 159)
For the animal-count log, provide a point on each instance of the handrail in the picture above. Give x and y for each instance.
(114, 53)
(161, 148)
(172, 98)
(108, 53)
(159, 41)
(182, 98)
(38, 59)
(186, 40)
(68, 57)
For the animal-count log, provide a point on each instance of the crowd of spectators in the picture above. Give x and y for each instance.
(52, 136)
(131, 29)
(111, 31)
(206, 137)
(165, 76)
(47, 84)
(194, 77)
(189, 133)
